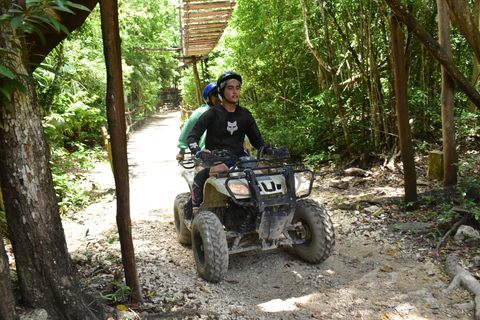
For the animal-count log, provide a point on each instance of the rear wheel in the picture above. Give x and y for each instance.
(184, 235)
(318, 230)
(209, 245)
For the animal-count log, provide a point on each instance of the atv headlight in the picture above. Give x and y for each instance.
(238, 188)
(298, 182)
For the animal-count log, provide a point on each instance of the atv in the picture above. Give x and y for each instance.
(257, 204)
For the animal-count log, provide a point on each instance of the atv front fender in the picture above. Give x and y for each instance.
(215, 193)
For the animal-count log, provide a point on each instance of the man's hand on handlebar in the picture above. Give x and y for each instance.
(267, 149)
(180, 156)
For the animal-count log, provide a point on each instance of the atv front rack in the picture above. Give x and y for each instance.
(253, 178)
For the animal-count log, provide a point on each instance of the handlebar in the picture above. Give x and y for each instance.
(215, 157)
(280, 152)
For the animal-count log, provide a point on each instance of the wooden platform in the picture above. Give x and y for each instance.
(203, 23)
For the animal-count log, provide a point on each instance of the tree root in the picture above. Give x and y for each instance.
(462, 277)
(390, 164)
(452, 230)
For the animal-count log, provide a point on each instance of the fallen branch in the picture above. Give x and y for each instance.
(462, 277)
(452, 230)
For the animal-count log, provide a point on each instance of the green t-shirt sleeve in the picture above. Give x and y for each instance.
(182, 140)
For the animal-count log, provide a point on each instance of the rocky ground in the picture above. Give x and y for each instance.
(383, 266)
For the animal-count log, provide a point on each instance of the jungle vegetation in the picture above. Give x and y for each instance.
(285, 51)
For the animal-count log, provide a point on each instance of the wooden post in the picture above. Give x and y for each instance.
(118, 138)
(435, 165)
(197, 84)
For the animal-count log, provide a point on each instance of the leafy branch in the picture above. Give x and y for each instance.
(15, 24)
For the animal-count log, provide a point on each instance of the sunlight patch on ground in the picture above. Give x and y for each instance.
(279, 305)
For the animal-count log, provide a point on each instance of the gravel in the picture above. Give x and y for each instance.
(375, 272)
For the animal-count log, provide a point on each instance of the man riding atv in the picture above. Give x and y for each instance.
(226, 124)
(247, 203)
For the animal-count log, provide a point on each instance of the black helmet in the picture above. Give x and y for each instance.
(224, 78)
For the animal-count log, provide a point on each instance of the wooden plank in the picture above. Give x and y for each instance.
(209, 5)
(204, 22)
(205, 31)
(204, 25)
(190, 1)
(199, 14)
(206, 42)
(201, 37)
(206, 19)
(191, 39)
(199, 46)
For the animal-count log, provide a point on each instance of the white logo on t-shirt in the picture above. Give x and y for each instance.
(232, 127)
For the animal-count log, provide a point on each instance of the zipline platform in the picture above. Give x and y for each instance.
(203, 24)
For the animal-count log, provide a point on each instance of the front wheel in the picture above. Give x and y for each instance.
(183, 234)
(318, 231)
(209, 245)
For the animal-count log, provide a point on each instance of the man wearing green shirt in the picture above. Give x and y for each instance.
(210, 96)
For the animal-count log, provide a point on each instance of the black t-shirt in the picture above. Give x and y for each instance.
(225, 130)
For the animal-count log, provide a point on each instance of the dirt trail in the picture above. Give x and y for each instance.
(373, 273)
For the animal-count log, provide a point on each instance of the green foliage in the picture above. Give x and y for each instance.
(187, 85)
(148, 24)
(14, 25)
(169, 303)
(395, 227)
(69, 182)
(445, 214)
(120, 295)
(469, 184)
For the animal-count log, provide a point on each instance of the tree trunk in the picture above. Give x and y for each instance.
(198, 88)
(118, 139)
(313, 49)
(333, 72)
(7, 307)
(435, 50)
(447, 98)
(393, 125)
(402, 114)
(462, 18)
(476, 62)
(46, 274)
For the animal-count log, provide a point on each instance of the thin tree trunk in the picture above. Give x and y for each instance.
(461, 16)
(372, 70)
(476, 62)
(447, 98)
(118, 138)
(312, 48)
(333, 72)
(356, 59)
(198, 86)
(436, 50)
(402, 114)
(393, 128)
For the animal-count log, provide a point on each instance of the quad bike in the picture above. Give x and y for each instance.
(257, 204)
